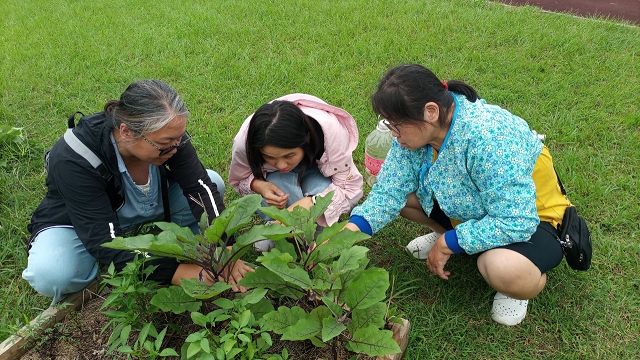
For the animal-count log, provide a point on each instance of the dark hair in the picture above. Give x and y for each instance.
(404, 90)
(282, 124)
(146, 106)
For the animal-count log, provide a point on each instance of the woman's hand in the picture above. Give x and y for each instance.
(352, 227)
(438, 257)
(306, 202)
(234, 272)
(270, 192)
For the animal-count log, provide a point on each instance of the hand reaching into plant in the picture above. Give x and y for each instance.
(234, 272)
(306, 202)
(270, 192)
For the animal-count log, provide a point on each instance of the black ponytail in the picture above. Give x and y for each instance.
(460, 87)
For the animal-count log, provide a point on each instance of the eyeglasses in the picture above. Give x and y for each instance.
(163, 151)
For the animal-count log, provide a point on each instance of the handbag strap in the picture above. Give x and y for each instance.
(560, 183)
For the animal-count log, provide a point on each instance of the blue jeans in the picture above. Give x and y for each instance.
(59, 264)
(312, 183)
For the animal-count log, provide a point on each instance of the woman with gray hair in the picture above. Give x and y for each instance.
(130, 164)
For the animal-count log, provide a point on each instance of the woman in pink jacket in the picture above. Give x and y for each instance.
(294, 148)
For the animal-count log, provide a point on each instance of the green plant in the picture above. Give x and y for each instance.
(211, 249)
(231, 330)
(328, 273)
(148, 344)
(127, 307)
(10, 134)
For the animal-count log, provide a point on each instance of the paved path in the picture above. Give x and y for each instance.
(614, 9)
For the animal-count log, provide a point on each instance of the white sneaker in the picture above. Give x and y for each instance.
(420, 246)
(264, 245)
(508, 311)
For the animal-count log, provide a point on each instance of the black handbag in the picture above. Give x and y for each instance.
(574, 237)
(575, 240)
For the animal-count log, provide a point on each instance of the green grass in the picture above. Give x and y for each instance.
(576, 80)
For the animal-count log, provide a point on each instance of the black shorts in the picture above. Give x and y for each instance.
(543, 248)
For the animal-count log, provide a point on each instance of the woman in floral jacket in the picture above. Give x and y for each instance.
(477, 176)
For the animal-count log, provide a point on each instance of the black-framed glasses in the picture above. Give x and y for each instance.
(165, 150)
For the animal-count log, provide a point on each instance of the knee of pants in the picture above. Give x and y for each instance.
(217, 179)
(59, 264)
(50, 280)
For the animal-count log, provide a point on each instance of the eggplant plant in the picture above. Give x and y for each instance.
(225, 240)
(327, 273)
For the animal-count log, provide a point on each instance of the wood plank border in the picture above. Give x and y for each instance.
(17, 345)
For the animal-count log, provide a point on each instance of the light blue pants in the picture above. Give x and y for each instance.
(59, 264)
(312, 183)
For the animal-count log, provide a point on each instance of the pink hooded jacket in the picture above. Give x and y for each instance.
(340, 139)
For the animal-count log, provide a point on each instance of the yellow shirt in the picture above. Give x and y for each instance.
(550, 201)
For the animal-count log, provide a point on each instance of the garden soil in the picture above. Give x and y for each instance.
(79, 337)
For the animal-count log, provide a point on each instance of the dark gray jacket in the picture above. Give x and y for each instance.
(78, 195)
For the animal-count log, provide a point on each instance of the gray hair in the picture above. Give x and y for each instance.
(146, 106)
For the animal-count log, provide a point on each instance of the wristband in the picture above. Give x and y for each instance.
(313, 199)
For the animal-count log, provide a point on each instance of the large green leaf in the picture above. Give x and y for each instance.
(175, 300)
(183, 234)
(278, 321)
(349, 260)
(259, 232)
(237, 215)
(374, 315)
(367, 288)
(253, 296)
(305, 328)
(243, 210)
(200, 290)
(331, 328)
(282, 215)
(320, 313)
(165, 244)
(284, 246)
(283, 265)
(321, 205)
(334, 308)
(373, 342)
(140, 242)
(264, 278)
(261, 308)
(214, 233)
(309, 326)
(336, 240)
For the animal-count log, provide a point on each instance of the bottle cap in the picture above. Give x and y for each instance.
(382, 126)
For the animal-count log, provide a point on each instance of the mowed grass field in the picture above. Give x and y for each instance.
(575, 80)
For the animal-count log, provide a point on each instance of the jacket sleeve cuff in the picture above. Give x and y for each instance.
(451, 238)
(361, 223)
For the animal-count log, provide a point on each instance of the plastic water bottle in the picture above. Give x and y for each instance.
(376, 147)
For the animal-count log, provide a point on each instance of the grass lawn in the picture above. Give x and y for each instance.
(576, 80)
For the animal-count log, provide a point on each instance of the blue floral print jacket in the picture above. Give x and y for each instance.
(481, 177)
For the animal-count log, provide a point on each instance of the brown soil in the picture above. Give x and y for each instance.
(79, 338)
